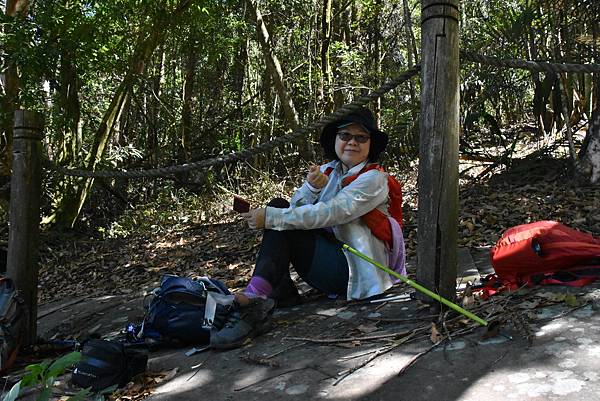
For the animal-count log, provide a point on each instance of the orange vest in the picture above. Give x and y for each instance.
(376, 220)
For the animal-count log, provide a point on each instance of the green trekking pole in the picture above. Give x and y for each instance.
(418, 286)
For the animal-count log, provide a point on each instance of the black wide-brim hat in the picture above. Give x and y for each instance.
(365, 118)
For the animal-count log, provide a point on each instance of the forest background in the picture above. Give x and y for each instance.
(132, 84)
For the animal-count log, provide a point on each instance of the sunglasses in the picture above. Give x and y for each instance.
(347, 137)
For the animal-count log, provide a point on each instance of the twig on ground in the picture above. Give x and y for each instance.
(341, 340)
(284, 350)
(381, 305)
(257, 360)
(499, 359)
(351, 339)
(394, 320)
(62, 306)
(377, 354)
(269, 378)
(563, 314)
(311, 366)
(417, 356)
(197, 368)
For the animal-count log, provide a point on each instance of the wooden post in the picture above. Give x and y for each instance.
(438, 155)
(25, 189)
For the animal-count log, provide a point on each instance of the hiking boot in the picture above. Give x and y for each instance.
(244, 322)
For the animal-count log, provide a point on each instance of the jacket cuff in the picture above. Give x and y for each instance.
(272, 217)
(312, 189)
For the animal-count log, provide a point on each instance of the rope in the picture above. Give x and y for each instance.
(246, 153)
(530, 65)
(299, 132)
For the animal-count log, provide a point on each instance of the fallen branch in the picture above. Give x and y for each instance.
(403, 320)
(279, 374)
(417, 356)
(285, 349)
(257, 360)
(351, 339)
(563, 314)
(377, 354)
(61, 306)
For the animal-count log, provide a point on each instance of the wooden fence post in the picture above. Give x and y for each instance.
(25, 190)
(438, 154)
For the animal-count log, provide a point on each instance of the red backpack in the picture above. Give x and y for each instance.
(535, 253)
(376, 220)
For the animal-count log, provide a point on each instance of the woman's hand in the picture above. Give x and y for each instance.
(255, 218)
(315, 177)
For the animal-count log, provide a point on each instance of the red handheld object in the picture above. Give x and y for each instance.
(241, 205)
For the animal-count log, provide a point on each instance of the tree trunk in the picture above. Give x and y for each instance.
(377, 57)
(188, 94)
(154, 109)
(337, 32)
(325, 64)
(274, 68)
(538, 103)
(564, 96)
(410, 40)
(69, 98)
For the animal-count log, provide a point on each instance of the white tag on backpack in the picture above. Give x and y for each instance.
(212, 299)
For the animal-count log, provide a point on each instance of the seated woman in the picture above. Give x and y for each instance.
(307, 233)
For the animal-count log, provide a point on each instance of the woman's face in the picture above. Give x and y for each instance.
(350, 150)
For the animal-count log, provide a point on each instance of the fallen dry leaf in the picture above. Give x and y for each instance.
(367, 328)
(571, 300)
(435, 336)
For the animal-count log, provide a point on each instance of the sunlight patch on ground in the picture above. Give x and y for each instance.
(371, 377)
(185, 382)
(532, 383)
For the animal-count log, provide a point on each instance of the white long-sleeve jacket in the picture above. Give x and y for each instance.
(341, 209)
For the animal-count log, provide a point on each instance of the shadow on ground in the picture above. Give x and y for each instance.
(554, 356)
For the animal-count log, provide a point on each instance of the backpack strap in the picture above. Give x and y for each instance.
(212, 300)
(376, 220)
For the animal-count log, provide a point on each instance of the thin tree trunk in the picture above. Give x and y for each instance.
(69, 98)
(567, 117)
(537, 84)
(409, 45)
(325, 64)
(154, 109)
(275, 70)
(377, 56)
(188, 94)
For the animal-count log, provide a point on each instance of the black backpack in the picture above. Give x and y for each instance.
(107, 363)
(183, 311)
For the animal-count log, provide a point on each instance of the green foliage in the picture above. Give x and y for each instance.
(43, 375)
(169, 210)
(211, 67)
